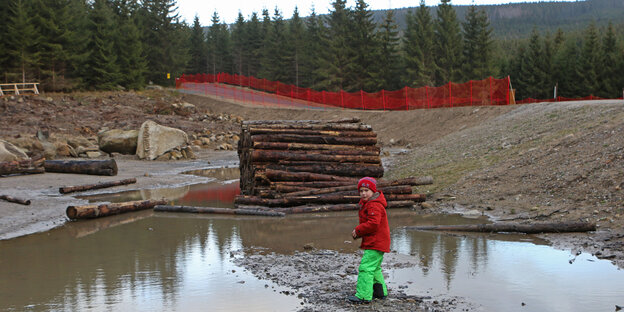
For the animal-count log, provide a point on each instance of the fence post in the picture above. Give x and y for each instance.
(427, 96)
(362, 99)
(450, 94)
(470, 92)
(491, 92)
(383, 99)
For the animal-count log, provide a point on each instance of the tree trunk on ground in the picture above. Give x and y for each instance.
(274, 156)
(295, 138)
(218, 210)
(79, 188)
(512, 227)
(102, 210)
(26, 166)
(15, 200)
(296, 122)
(95, 167)
(303, 146)
(324, 208)
(335, 133)
(380, 184)
(349, 170)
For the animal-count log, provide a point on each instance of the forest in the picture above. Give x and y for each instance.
(69, 45)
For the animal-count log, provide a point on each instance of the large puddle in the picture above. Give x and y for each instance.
(181, 262)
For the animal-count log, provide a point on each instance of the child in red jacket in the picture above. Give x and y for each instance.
(375, 234)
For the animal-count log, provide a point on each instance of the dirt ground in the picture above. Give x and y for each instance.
(544, 162)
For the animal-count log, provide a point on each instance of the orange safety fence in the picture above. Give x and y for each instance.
(489, 91)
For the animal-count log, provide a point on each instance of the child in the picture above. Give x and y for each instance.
(375, 234)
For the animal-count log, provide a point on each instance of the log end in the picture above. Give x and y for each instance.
(71, 212)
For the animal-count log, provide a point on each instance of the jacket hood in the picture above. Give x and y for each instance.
(377, 197)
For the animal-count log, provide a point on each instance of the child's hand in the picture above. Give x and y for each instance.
(354, 234)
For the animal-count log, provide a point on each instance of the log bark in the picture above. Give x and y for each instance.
(304, 146)
(279, 175)
(26, 166)
(395, 189)
(312, 184)
(86, 187)
(413, 181)
(338, 170)
(16, 200)
(324, 208)
(192, 209)
(512, 227)
(336, 133)
(314, 139)
(94, 167)
(332, 126)
(274, 156)
(102, 210)
(317, 199)
(279, 122)
(359, 152)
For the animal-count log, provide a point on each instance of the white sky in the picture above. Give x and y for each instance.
(228, 9)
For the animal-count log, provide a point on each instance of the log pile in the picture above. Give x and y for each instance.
(312, 166)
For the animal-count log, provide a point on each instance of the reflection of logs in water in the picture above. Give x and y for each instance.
(81, 229)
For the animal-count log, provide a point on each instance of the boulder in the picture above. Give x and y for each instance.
(155, 140)
(118, 141)
(10, 152)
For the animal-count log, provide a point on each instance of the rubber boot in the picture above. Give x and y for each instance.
(378, 291)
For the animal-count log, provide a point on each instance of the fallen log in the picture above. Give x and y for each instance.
(347, 169)
(273, 156)
(337, 133)
(324, 208)
(106, 167)
(358, 152)
(312, 184)
(86, 187)
(334, 126)
(316, 121)
(295, 138)
(380, 184)
(25, 166)
(16, 200)
(192, 209)
(318, 199)
(102, 210)
(279, 175)
(303, 146)
(512, 227)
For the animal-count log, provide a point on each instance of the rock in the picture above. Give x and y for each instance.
(426, 205)
(75, 142)
(62, 149)
(49, 150)
(10, 152)
(472, 213)
(308, 246)
(119, 141)
(155, 140)
(93, 154)
(205, 141)
(176, 154)
(196, 142)
(188, 152)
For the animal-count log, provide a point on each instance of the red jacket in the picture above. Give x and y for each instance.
(373, 228)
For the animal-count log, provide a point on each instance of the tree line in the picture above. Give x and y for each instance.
(107, 44)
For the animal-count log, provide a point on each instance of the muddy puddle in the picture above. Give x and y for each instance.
(183, 262)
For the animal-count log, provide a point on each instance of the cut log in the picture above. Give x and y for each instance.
(359, 152)
(347, 169)
(336, 127)
(303, 146)
(512, 227)
(312, 184)
(106, 167)
(265, 155)
(380, 184)
(86, 187)
(295, 138)
(324, 208)
(395, 189)
(16, 200)
(102, 210)
(192, 209)
(279, 175)
(279, 122)
(25, 166)
(337, 133)
(290, 188)
(317, 199)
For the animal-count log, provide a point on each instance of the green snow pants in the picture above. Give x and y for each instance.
(369, 274)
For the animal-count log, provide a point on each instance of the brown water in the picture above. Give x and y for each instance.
(146, 261)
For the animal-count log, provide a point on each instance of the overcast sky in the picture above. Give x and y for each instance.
(228, 9)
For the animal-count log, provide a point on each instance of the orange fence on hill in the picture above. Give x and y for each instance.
(473, 93)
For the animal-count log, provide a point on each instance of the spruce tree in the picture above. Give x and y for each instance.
(339, 58)
(590, 60)
(477, 45)
(101, 70)
(219, 58)
(296, 33)
(418, 46)
(608, 70)
(568, 70)
(447, 44)
(5, 60)
(265, 48)
(363, 41)
(128, 45)
(389, 61)
(254, 43)
(197, 49)
(21, 42)
(277, 59)
(239, 46)
(535, 76)
(314, 52)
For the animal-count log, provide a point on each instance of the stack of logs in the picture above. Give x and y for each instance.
(312, 165)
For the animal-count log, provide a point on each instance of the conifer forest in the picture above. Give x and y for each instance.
(71, 45)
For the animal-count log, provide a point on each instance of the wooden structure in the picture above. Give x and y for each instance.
(290, 163)
(19, 88)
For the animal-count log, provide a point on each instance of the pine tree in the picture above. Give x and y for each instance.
(535, 75)
(239, 46)
(340, 55)
(477, 45)
(254, 43)
(567, 70)
(219, 59)
(296, 32)
(276, 61)
(418, 46)
(128, 45)
(21, 41)
(365, 46)
(589, 60)
(5, 60)
(101, 70)
(447, 44)
(265, 48)
(608, 71)
(389, 61)
(197, 49)
(314, 52)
